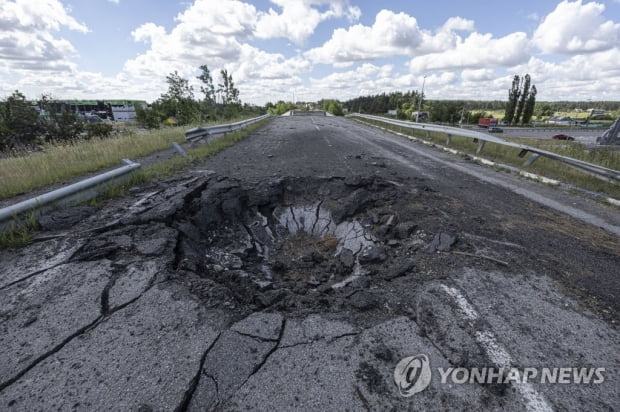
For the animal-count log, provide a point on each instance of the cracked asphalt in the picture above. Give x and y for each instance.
(295, 270)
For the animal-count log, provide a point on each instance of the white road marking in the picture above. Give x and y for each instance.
(534, 401)
(315, 125)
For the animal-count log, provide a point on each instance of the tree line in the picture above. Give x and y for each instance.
(26, 124)
(180, 106)
(21, 125)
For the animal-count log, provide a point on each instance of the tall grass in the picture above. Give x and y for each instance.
(22, 236)
(54, 163)
(542, 166)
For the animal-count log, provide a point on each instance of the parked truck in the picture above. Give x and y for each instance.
(487, 122)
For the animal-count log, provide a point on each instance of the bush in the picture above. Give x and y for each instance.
(100, 130)
(19, 123)
(149, 118)
(63, 127)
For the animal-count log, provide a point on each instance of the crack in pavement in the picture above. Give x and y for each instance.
(362, 398)
(193, 384)
(91, 326)
(66, 260)
(217, 386)
(268, 354)
(330, 339)
(55, 349)
(259, 338)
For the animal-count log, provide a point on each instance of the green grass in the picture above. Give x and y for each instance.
(583, 115)
(177, 164)
(56, 163)
(24, 172)
(542, 166)
(22, 235)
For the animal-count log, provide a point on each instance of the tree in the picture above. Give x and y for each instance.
(61, 123)
(149, 118)
(529, 106)
(208, 107)
(281, 107)
(545, 109)
(207, 88)
(229, 94)
(513, 98)
(521, 101)
(19, 122)
(179, 101)
(524, 94)
(333, 106)
(227, 89)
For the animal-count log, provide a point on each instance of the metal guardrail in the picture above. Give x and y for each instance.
(77, 192)
(482, 138)
(10, 217)
(197, 133)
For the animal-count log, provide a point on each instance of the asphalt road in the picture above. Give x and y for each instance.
(302, 269)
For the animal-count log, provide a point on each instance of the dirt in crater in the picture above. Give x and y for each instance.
(327, 243)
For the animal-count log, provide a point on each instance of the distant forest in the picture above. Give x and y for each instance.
(452, 110)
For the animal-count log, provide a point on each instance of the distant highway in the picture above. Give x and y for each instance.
(582, 135)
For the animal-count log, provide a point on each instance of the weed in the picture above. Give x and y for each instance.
(543, 166)
(21, 234)
(174, 165)
(23, 172)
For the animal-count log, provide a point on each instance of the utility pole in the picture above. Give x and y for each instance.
(417, 116)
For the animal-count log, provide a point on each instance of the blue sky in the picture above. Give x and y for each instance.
(311, 48)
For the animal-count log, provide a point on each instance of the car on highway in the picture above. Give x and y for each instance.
(562, 137)
(493, 129)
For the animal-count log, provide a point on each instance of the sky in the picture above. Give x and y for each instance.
(305, 50)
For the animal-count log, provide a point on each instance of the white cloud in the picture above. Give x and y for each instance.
(27, 37)
(217, 35)
(391, 34)
(458, 23)
(580, 77)
(255, 64)
(460, 62)
(476, 75)
(299, 19)
(574, 27)
(149, 33)
(206, 33)
(475, 51)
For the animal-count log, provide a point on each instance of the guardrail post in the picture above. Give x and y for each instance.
(531, 159)
(480, 146)
(449, 139)
(591, 168)
(179, 149)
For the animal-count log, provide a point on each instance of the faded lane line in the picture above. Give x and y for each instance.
(534, 401)
(315, 125)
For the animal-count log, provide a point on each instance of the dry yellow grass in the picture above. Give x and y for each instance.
(56, 163)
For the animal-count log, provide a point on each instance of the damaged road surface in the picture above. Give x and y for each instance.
(317, 265)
